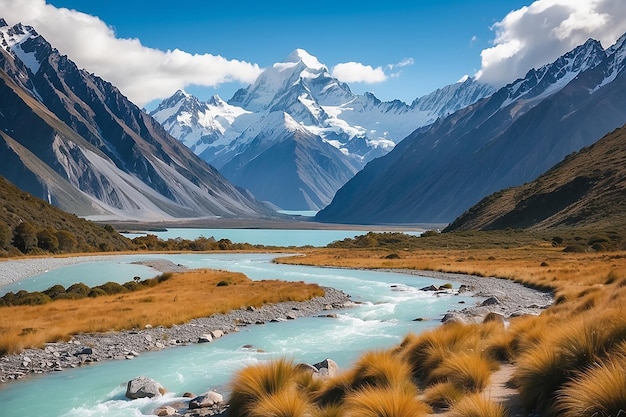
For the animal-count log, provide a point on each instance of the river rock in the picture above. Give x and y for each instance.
(429, 288)
(208, 399)
(217, 333)
(327, 368)
(166, 410)
(491, 301)
(143, 387)
(205, 338)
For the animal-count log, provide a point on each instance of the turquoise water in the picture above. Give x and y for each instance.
(390, 302)
(267, 237)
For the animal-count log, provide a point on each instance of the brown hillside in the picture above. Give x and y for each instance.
(54, 230)
(586, 189)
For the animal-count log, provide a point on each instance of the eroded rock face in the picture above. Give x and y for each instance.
(143, 387)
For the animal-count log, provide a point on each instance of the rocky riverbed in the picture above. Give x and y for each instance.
(500, 296)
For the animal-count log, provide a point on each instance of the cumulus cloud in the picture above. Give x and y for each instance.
(141, 73)
(355, 72)
(541, 32)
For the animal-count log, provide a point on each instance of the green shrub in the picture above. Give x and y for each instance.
(80, 289)
(96, 292)
(54, 291)
(111, 288)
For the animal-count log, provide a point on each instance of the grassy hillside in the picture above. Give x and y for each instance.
(587, 189)
(31, 225)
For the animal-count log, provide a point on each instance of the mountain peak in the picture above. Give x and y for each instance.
(300, 55)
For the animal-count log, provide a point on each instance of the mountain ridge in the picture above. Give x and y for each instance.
(360, 127)
(118, 161)
(577, 192)
(503, 140)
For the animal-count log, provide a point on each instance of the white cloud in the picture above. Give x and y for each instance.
(355, 72)
(141, 73)
(538, 34)
(404, 63)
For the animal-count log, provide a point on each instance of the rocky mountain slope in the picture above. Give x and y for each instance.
(343, 130)
(504, 140)
(71, 138)
(587, 189)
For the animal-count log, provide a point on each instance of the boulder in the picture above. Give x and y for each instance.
(84, 351)
(143, 387)
(208, 399)
(452, 317)
(205, 338)
(429, 288)
(166, 410)
(490, 301)
(327, 368)
(217, 334)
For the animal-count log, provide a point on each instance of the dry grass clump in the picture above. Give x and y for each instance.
(574, 346)
(385, 402)
(183, 297)
(468, 371)
(261, 384)
(478, 406)
(379, 369)
(452, 353)
(600, 390)
(443, 395)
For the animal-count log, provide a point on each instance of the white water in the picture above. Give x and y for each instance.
(390, 302)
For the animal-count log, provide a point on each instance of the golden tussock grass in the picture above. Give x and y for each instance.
(443, 395)
(469, 371)
(285, 403)
(426, 352)
(385, 402)
(478, 406)
(568, 349)
(597, 391)
(379, 369)
(328, 411)
(183, 297)
(260, 382)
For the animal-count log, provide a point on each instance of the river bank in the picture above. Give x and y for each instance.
(500, 295)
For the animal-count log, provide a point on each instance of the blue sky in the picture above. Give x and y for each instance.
(393, 49)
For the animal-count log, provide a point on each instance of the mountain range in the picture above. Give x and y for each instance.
(586, 189)
(73, 139)
(504, 140)
(297, 134)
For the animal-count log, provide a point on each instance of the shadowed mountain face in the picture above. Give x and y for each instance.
(586, 189)
(71, 138)
(504, 140)
(334, 130)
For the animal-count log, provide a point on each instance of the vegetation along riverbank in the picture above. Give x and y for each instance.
(548, 364)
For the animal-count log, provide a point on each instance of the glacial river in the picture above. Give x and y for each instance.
(389, 304)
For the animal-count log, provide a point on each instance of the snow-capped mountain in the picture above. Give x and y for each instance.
(505, 140)
(71, 138)
(360, 127)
